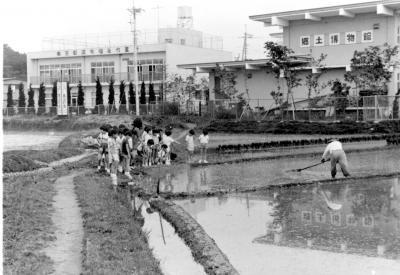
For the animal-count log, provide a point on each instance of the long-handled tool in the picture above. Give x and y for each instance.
(300, 169)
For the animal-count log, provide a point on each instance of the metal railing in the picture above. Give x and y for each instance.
(368, 108)
(91, 78)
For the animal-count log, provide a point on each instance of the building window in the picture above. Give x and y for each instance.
(368, 221)
(367, 36)
(66, 53)
(118, 50)
(104, 70)
(335, 219)
(334, 39)
(58, 53)
(126, 49)
(60, 72)
(350, 38)
(148, 70)
(74, 52)
(351, 220)
(398, 35)
(108, 50)
(320, 217)
(83, 52)
(319, 40)
(183, 41)
(306, 216)
(305, 41)
(168, 40)
(100, 51)
(91, 51)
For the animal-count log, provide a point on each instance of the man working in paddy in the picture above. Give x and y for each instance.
(334, 152)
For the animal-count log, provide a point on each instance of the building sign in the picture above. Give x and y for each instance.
(350, 38)
(366, 36)
(62, 99)
(305, 41)
(319, 40)
(334, 39)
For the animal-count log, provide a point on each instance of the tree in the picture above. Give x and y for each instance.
(68, 94)
(99, 92)
(42, 99)
(54, 94)
(111, 92)
(340, 93)
(132, 96)
(31, 101)
(21, 99)
(227, 82)
(14, 63)
(142, 99)
(371, 69)
(152, 95)
(81, 95)
(180, 89)
(10, 102)
(122, 97)
(312, 78)
(283, 67)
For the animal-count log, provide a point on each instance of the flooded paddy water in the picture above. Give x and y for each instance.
(315, 229)
(259, 173)
(21, 140)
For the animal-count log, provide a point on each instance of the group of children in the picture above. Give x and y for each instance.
(121, 148)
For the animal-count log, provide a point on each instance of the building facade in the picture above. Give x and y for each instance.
(155, 63)
(336, 32)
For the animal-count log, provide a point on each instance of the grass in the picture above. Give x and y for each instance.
(27, 203)
(114, 242)
(24, 160)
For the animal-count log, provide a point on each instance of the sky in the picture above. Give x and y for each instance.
(24, 23)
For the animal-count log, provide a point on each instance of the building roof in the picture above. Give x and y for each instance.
(384, 8)
(13, 81)
(247, 64)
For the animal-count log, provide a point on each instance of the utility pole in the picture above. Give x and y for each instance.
(245, 37)
(134, 11)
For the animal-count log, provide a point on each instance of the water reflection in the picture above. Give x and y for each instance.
(190, 179)
(174, 256)
(313, 228)
(361, 219)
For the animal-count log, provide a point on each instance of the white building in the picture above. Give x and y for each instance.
(336, 31)
(157, 60)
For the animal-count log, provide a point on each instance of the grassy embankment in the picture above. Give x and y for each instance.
(114, 242)
(27, 204)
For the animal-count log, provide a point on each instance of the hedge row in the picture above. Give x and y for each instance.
(393, 140)
(301, 142)
(298, 127)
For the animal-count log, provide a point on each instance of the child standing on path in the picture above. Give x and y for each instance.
(113, 155)
(168, 140)
(102, 139)
(190, 145)
(203, 138)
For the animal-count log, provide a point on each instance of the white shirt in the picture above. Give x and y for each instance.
(190, 142)
(167, 140)
(203, 139)
(146, 138)
(334, 145)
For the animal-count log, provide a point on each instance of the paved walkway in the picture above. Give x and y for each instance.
(65, 251)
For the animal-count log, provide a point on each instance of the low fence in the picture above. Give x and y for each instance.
(367, 108)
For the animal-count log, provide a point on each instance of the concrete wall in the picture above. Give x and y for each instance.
(261, 83)
(176, 54)
(342, 53)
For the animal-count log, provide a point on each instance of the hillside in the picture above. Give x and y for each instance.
(14, 64)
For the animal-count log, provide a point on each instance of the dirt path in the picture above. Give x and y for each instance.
(65, 251)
